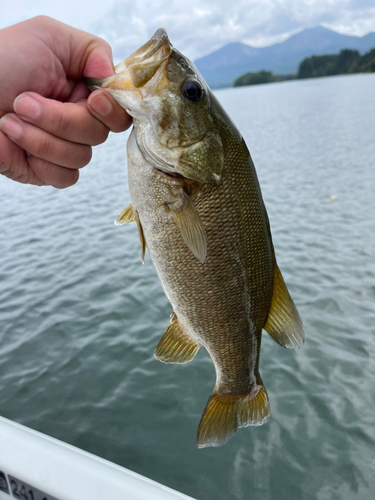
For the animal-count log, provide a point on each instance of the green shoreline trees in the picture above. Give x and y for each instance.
(261, 77)
(346, 62)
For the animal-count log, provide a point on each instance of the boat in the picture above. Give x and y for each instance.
(34, 466)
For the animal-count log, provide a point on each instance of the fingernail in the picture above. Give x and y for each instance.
(27, 107)
(10, 127)
(101, 105)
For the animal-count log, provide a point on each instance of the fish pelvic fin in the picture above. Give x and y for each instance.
(283, 323)
(226, 412)
(127, 216)
(190, 225)
(175, 346)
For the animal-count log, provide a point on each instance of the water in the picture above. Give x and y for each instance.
(80, 316)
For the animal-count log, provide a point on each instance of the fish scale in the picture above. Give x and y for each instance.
(200, 214)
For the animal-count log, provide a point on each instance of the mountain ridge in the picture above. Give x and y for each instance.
(223, 66)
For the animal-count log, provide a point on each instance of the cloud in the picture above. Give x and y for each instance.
(200, 28)
(197, 28)
(78, 13)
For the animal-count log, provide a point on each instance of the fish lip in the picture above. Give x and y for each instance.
(150, 57)
(159, 33)
(159, 37)
(148, 50)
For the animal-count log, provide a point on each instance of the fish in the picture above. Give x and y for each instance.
(198, 207)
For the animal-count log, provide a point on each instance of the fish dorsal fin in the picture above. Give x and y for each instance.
(141, 235)
(127, 216)
(190, 225)
(283, 324)
(175, 346)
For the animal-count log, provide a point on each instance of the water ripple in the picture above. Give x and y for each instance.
(80, 316)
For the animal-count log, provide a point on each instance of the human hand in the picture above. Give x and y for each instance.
(49, 119)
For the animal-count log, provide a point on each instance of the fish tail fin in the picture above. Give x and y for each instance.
(224, 413)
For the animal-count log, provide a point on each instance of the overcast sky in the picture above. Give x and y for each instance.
(197, 28)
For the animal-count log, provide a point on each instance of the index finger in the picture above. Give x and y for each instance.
(69, 121)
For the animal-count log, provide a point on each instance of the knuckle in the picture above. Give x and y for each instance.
(106, 45)
(68, 179)
(101, 136)
(75, 156)
(41, 20)
(42, 146)
(50, 174)
(85, 156)
(62, 124)
(119, 128)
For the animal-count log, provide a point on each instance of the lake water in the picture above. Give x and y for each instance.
(80, 316)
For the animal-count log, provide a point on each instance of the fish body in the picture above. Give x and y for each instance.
(200, 214)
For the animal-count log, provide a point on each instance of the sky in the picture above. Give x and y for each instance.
(197, 28)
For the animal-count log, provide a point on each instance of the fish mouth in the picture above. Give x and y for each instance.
(139, 68)
(156, 49)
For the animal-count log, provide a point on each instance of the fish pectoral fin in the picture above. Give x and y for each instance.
(190, 225)
(127, 216)
(141, 235)
(226, 412)
(175, 346)
(283, 323)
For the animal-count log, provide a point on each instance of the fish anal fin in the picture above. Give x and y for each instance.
(226, 412)
(283, 323)
(127, 216)
(175, 346)
(141, 235)
(190, 225)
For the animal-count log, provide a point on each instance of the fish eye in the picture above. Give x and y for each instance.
(192, 90)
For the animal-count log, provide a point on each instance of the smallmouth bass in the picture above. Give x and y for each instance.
(200, 214)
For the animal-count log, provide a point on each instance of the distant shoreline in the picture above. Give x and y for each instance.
(229, 86)
(346, 62)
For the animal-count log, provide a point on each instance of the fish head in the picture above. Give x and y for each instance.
(171, 108)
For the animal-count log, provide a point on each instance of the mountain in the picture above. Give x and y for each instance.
(222, 67)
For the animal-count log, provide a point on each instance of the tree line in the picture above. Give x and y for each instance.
(346, 62)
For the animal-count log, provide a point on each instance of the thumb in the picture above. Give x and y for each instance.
(99, 62)
(84, 55)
